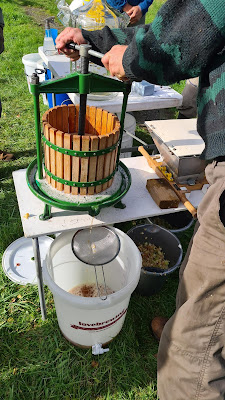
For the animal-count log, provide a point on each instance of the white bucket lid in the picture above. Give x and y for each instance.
(18, 259)
(31, 59)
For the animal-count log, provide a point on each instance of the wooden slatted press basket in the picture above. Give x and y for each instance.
(77, 164)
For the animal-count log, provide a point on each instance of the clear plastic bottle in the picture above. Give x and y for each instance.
(48, 45)
(65, 11)
(93, 16)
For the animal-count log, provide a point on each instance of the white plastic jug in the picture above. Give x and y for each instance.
(30, 62)
(87, 321)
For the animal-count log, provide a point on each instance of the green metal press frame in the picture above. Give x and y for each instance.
(83, 84)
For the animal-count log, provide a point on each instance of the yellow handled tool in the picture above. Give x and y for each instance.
(154, 165)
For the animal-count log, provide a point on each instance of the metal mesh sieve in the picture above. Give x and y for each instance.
(96, 245)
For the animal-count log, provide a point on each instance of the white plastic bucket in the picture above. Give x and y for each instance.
(41, 66)
(130, 126)
(30, 62)
(86, 321)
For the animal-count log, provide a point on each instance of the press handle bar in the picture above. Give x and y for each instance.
(74, 46)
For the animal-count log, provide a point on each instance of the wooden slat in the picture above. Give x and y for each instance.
(107, 160)
(76, 163)
(46, 129)
(92, 163)
(117, 134)
(67, 162)
(98, 124)
(100, 163)
(52, 133)
(113, 156)
(110, 120)
(104, 122)
(45, 116)
(92, 120)
(86, 128)
(59, 124)
(84, 163)
(71, 117)
(115, 122)
(52, 118)
(59, 159)
(76, 118)
(65, 122)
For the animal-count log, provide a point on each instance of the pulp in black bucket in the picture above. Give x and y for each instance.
(152, 257)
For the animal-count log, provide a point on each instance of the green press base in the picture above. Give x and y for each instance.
(92, 208)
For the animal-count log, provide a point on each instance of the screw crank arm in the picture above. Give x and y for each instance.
(74, 46)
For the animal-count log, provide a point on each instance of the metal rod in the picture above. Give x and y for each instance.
(135, 137)
(37, 259)
(122, 118)
(35, 80)
(74, 46)
(82, 114)
(96, 277)
(135, 148)
(83, 97)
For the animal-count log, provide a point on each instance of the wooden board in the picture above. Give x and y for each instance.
(161, 192)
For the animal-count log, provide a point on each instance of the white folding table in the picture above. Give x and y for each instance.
(138, 201)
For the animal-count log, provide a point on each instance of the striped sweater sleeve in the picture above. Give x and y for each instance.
(181, 41)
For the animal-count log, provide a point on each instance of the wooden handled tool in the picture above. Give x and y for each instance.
(154, 165)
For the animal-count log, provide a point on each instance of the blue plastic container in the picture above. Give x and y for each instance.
(60, 99)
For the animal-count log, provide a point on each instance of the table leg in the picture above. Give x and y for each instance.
(37, 259)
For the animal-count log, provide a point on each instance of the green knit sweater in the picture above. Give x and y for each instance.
(186, 39)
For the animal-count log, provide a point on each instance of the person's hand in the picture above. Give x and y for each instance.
(134, 13)
(66, 36)
(112, 61)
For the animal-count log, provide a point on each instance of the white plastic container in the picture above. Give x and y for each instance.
(87, 321)
(76, 4)
(30, 62)
(41, 67)
(130, 126)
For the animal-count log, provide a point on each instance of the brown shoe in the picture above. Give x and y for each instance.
(6, 156)
(157, 325)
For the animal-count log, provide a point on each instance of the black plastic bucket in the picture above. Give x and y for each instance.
(179, 221)
(152, 279)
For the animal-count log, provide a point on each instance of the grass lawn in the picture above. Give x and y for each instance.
(36, 361)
